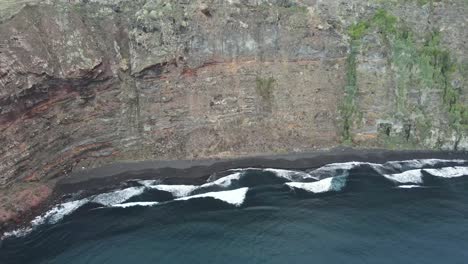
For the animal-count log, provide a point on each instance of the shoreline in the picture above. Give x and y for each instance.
(196, 172)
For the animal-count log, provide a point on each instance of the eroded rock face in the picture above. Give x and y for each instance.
(88, 82)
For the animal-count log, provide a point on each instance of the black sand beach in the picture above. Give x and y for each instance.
(320, 206)
(198, 171)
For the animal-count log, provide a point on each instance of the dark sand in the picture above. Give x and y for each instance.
(118, 175)
(198, 171)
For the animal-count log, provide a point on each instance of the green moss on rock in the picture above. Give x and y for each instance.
(348, 108)
(264, 88)
(416, 66)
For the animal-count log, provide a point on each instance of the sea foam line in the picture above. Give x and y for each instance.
(406, 168)
(176, 190)
(409, 186)
(225, 181)
(116, 197)
(448, 172)
(50, 217)
(20, 232)
(410, 176)
(411, 173)
(291, 175)
(133, 204)
(420, 163)
(334, 184)
(59, 211)
(235, 197)
(416, 176)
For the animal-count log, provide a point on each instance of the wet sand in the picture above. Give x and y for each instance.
(120, 175)
(198, 171)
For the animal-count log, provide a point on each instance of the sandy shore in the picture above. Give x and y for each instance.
(198, 171)
(119, 175)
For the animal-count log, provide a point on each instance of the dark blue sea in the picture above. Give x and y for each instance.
(412, 211)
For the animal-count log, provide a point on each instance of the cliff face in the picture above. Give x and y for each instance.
(88, 82)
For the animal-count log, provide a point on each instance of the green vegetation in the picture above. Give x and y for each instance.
(358, 30)
(264, 88)
(381, 19)
(348, 108)
(416, 67)
(443, 66)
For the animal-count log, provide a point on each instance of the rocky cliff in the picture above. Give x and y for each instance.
(88, 82)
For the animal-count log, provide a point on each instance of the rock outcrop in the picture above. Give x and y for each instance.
(88, 82)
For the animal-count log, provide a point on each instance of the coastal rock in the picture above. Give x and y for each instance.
(22, 201)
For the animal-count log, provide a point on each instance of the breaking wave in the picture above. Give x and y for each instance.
(448, 172)
(232, 188)
(410, 176)
(334, 184)
(409, 186)
(175, 190)
(290, 175)
(116, 197)
(235, 197)
(226, 181)
(133, 204)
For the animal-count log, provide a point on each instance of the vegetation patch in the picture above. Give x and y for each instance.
(348, 108)
(416, 67)
(264, 88)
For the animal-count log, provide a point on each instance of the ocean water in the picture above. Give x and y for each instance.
(412, 211)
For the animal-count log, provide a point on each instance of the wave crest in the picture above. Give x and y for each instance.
(448, 172)
(235, 197)
(411, 176)
(329, 178)
(133, 204)
(176, 190)
(334, 184)
(116, 197)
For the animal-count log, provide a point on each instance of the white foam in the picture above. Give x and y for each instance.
(117, 197)
(224, 181)
(147, 183)
(107, 199)
(290, 174)
(410, 176)
(17, 233)
(235, 197)
(52, 216)
(176, 190)
(409, 186)
(126, 205)
(58, 212)
(419, 163)
(342, 165)
(448, 172)
(335, 169)
(412, 173)
(335, 184)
